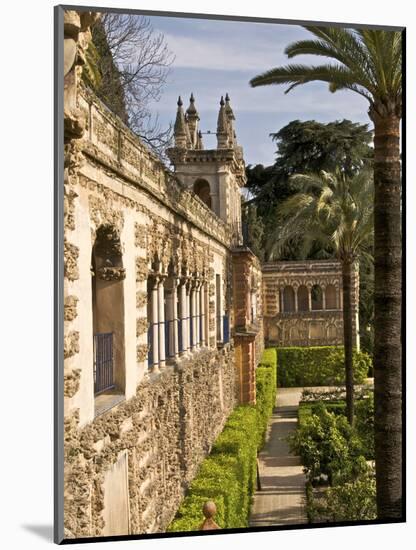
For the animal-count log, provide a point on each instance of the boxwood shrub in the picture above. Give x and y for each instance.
(228, 475)
(318, 366)
(266, 377)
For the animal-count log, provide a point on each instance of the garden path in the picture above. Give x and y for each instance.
(281, 500)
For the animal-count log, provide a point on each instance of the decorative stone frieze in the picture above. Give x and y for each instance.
(69, 208)
(111, 273)
(70, 308)
(71, 253)
(142, 269)
(141, 299)
(71, 344)
(142, 324)
(142, 351)
(103, 211)
(71, 382)
(140, 235)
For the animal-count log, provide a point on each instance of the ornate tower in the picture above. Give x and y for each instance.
(215, 175)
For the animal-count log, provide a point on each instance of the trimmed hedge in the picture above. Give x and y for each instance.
(228, 474)
(266, 382)
(318, 366)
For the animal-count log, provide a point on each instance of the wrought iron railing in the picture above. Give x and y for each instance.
(103, 362)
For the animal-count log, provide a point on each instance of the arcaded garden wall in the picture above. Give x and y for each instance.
(150, 368)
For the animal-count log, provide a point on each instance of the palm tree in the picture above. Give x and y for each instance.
(335, 213)
(368, 62)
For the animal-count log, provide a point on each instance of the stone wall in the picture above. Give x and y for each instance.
(167, 428)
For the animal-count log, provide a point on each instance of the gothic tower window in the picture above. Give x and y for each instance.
(202, 189)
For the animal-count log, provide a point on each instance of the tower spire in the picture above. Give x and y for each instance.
(222, 126)
(179, 129)
(192, 118)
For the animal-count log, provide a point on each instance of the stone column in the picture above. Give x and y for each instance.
(193, 315)
(295, 290)
(323, 297)
(161, 308)
(169, 321)
(202, 310)
(155, 325)
(309, 298)
(175, 344)
(182, 307)
(198, 314)
(282, 302)
(188, 316)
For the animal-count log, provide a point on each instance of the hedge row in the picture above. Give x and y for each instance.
(228, 475)
(318, 366)
(266, 382)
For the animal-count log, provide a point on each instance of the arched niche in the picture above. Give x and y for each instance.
(108, 274)
(288, 299)
(331, 297)
(316, 297)
(203, 190)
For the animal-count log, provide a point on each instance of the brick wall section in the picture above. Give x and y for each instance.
(248, 335)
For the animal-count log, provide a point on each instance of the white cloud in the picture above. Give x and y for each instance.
(224, 53)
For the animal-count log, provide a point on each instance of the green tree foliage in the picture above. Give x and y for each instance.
(329, 448)
(312, 146)
(255, 230)
(304, 147)
(351, 501)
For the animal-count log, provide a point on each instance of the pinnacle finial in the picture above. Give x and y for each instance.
(227, 97)
(191, 110)
(180, 102)
(222, 103)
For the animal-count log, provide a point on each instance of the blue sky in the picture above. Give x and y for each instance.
(215, 57)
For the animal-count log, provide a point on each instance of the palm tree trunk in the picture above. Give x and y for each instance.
(387, 317)
(347, 318)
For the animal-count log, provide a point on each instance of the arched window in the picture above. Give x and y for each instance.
(331, 297)
(288, 299)
(303, 298)
(108, 274)
(316, 295)
(202, 189)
